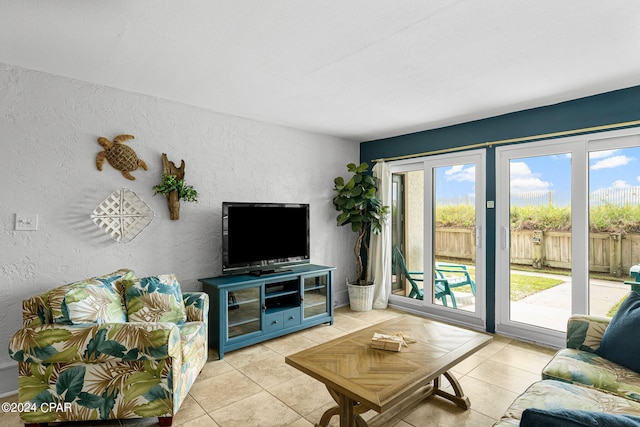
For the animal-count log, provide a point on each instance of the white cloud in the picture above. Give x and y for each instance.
(620, 183)
(601, 154)
(454, 169)
(519, 169)
(461, 174)
(612, 162)
(525, 185)
(524, 181)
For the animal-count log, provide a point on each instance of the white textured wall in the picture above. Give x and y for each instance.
(48, 131)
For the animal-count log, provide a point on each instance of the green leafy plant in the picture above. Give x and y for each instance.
(170, 183)
(358, 204)
(607, 218)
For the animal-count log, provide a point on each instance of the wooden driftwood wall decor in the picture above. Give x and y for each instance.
(173, 198)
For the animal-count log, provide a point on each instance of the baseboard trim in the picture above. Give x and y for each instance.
(341, 298)
(8, 379)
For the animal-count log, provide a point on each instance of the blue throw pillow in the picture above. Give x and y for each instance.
(574, 418)
(619, 341)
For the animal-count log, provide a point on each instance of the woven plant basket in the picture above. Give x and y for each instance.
(360, 297)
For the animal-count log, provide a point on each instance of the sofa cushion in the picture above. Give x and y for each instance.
(154, 299)
(582, 367)
(550, 394)
(584, 331)
(618, 342)
(533, 417)
(88, 301)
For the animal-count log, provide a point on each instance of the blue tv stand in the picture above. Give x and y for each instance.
(247, 309)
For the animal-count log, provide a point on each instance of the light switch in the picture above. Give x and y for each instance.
(26, 222)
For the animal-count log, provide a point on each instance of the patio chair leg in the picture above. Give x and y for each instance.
(453, 301)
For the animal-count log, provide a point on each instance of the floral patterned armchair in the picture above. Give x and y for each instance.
(110, 347)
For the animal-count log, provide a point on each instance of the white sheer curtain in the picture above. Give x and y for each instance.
(380, 246)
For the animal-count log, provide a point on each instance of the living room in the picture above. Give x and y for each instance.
(51, 119)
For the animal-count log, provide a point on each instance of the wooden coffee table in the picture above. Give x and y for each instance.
(360, 378)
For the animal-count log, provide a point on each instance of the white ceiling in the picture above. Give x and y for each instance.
(359, 69)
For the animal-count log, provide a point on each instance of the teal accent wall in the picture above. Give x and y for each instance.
(603, 109)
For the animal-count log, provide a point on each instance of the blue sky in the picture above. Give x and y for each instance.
(615, 168)
(607, 170)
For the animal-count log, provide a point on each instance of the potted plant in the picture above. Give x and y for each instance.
(174, 190)
(359, 206)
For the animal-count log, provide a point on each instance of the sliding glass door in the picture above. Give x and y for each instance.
(560, 233)
(438, 240)
(614, 220)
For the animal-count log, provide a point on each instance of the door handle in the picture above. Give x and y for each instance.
(505, 238)
(478, 236)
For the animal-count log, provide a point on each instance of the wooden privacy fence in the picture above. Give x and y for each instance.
(612, 253)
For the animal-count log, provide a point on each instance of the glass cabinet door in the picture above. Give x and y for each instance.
(243, 311)
(315, 295)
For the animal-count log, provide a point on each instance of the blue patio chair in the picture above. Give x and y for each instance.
(442, 288)
(456, 275)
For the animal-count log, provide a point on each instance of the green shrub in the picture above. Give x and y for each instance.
(541, 218)
(604, 219)
(456, 216)
(610, 218)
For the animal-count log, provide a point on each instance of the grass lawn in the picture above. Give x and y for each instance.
(615, 308)
(522, 285)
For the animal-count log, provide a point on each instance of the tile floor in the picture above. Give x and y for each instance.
(254, 387)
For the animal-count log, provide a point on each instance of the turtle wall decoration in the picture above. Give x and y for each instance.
(119, 155)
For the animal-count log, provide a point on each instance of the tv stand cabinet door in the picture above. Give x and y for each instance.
(242, 311)
(317, 295)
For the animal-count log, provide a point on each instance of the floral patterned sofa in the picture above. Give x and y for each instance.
(109, 347)
(578, 381)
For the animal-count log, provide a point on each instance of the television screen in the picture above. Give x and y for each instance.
(264, 236)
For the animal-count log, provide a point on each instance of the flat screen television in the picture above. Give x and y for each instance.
(263, 238)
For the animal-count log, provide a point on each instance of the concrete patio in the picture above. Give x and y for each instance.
(555, 302)
(551, 308)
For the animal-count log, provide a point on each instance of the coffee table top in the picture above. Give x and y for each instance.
(379, 379)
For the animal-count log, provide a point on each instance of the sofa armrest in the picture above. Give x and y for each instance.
(584, 332)
(35, 310)
(197, 306)
(95, 343)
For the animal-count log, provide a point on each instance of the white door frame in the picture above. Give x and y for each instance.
(579, 147)
(475, 319)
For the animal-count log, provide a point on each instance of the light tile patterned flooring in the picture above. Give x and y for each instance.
(254, 387)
